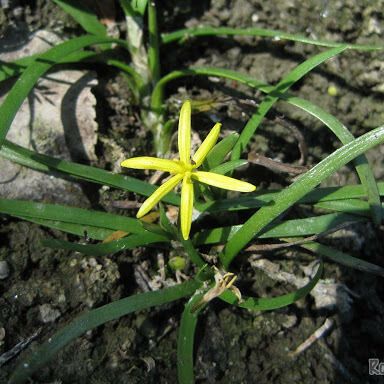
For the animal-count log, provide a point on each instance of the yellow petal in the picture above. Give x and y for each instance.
(146, 162)
(184, 136)
(159, 194)
(206, 145)
(224, 182)
(186, 206)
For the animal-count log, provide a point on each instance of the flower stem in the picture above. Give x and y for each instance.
(153, 48)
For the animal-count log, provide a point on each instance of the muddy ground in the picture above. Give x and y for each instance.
(232, 345)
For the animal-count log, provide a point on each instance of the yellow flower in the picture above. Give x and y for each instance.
(185, 170)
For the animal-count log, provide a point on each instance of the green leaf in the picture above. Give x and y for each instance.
(153, 43)
(362, 165)
(204, 71)
(219, 152)
(81, 230)
(134, 8)
(354, 206)
(94, 318)
(138, 82)
(139, 6)
(102, 249)
(185, 339)
(186, 33)
(265, 304)
(260, 198)
(287, 82)
(84, 16)
(193, 254)
(35, 70)
(342, 258)
(16, 67)
(306, 182)
(50, 165)
(70, 215)
(288, 228)
(228, 166)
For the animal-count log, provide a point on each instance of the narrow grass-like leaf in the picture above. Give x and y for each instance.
(342, 258)
(265, 304)
(49, 164)
(218, 153)
(84, 16)
(14, 68)
(299, 189)
(71, 215)
(187, 33)
(354, 206)
(94, 318)
(138, 82)
(35, 70)
(288, 228)
(203, 71)
(362, 165)
(81, 230)
(228, 166)
(153, 43)
(139, 6)
(134, 8)
(185, 341)
(10, 69)
(103, 249)
(260, 199)
(290, 79)
(192, 252)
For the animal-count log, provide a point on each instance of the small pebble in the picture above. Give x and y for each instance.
(4, 270)
(48, 314)
(5, 4)
(92, 262)
(73, 263)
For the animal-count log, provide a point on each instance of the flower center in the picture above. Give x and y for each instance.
(188, 167)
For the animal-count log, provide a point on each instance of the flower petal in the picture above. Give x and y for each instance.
(224, 182)
(184, 137)
(146, 162)
(186, 206)
(158, 195)
(206, 145)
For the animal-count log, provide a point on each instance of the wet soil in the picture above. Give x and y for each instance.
(45, 288)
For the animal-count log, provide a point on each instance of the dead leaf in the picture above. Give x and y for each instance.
(151, 217)
(115, 236)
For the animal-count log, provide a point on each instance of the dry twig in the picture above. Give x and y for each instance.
(14, 351)
(319, 333)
